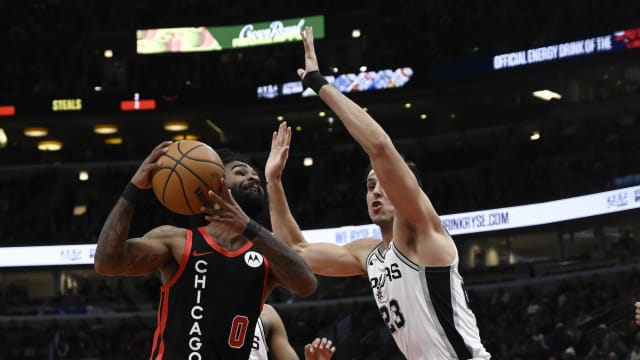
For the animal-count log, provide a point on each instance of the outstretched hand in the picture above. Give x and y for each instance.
(142, 178)
(638, 313)
(319, 349)
(225, 210)
(279, 152)
(310, 58)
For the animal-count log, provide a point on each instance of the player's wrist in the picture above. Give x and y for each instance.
(272, 180)
(314, 80)
(252, 229)
(132, 193)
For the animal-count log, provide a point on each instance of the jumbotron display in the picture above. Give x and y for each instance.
(218, 38)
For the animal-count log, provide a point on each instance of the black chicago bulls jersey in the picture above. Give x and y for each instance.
(210, 307)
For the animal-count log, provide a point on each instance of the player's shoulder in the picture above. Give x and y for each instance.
(167, 232)
(363, 246)
(268, 313)
(266, 308)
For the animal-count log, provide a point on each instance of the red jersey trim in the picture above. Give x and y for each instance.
(188, 244)
(265, 283)
(157, 352)
(220, 249)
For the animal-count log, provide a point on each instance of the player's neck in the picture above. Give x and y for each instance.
(387, 234)
(224, 237)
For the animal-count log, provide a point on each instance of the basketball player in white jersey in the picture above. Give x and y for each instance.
(271, 341)
(413, 271)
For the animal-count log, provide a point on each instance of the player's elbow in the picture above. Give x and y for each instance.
(378, 144)
(101, 268)
(308, 286)
(104, 268)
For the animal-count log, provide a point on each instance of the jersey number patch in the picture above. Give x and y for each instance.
(392, 315)
(238, 332)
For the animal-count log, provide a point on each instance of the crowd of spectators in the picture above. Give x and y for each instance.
(577, 316)
(463, 172)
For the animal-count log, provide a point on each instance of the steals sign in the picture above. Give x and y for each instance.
(66, 104)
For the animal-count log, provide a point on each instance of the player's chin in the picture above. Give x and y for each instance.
(375, 217)
(380, 217)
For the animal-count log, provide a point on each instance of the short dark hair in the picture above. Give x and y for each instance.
(227, 155)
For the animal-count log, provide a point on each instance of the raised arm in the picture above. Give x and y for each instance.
(393, 173)
(324, 258)
(417, 229)
(287, 267)
(115, 253)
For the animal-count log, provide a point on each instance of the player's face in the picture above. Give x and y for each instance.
(380, 210)
(245, 186)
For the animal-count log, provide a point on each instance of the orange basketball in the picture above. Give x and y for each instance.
(189, 169)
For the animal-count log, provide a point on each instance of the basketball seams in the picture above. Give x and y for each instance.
(189, 166)
(184, 197)
(185, 155)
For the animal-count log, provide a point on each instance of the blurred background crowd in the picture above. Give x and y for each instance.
(559, 291)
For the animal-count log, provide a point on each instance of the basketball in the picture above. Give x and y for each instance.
(189, 169)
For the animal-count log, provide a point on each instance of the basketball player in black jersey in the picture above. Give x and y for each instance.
(215, 277)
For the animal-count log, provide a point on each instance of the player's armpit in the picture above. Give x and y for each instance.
(329, 259)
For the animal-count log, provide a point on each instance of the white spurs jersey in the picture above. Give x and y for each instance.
(259, 349)
(425, 308)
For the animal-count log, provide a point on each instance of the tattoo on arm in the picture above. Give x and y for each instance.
(114, 233)
(289, 268)
(141, 260)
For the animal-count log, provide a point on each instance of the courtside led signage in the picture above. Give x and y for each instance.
(217, 38)
(489, 220)
(7, 110)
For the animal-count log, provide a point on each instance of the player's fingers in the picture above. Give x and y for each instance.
(284, 134)
(150, 166)
(308, 350)
(218, 200)
(278, 138)
(225, 193)
(158, 151)
(288, 135)
(310, 41)
(282, 127)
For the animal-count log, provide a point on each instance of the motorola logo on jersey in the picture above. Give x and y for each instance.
(253, 259)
